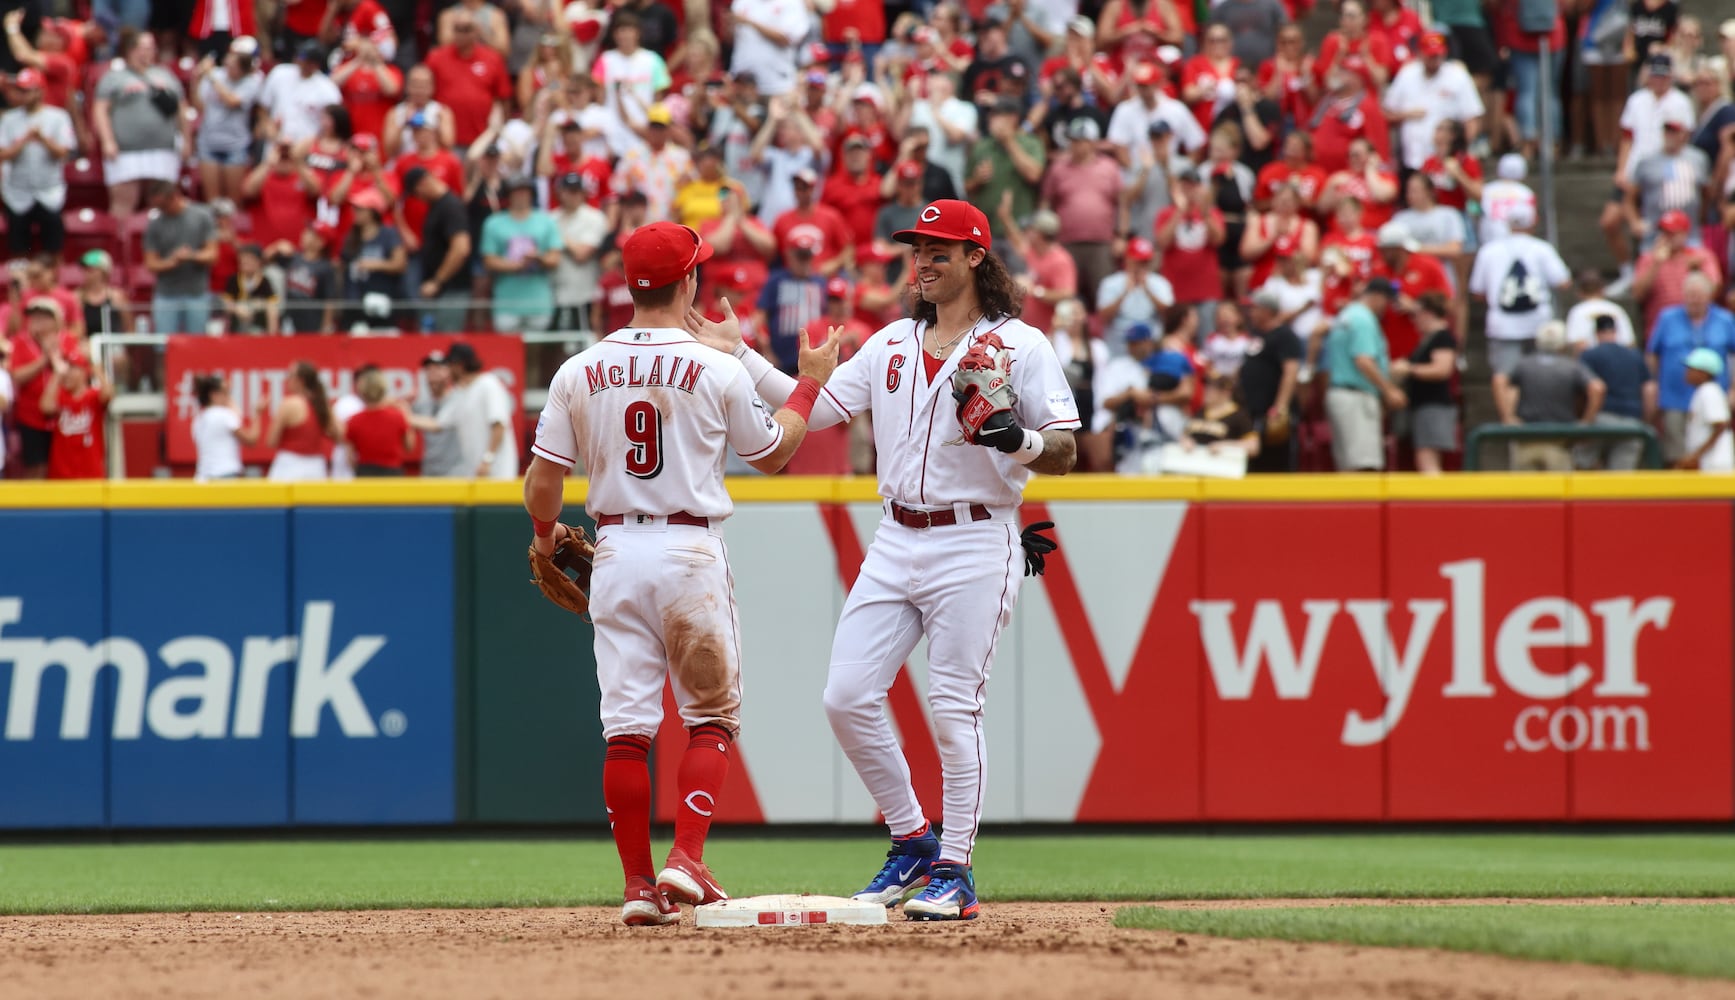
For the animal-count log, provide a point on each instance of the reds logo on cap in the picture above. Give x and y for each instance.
(949, 219)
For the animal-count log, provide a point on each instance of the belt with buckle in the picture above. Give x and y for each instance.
(692, 520)
(911, 518)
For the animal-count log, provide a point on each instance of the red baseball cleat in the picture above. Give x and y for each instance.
(684, 880)
(646, 906)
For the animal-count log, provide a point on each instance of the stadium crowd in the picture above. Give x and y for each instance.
(1247, 248)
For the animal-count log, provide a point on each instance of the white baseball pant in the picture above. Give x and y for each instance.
(663, 604)
(957, 584)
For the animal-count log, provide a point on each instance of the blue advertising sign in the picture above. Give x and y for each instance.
(55, 690)
(372, 717)
(203, 739)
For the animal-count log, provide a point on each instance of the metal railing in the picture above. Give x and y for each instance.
(1570, 433)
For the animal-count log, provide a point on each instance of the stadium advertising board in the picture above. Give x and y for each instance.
(256, 368)
(1181, 661)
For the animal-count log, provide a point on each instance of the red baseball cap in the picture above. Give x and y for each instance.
(327, 234)
(1139, 248)
(1434, 44)
(662, 253)
(736, 279)
(909, 170)
(365, 140)
(1675, 222)
(1147, 73)
(586, 30)
(948, 219)
(837, 288)
(369, 197)
(30, 78)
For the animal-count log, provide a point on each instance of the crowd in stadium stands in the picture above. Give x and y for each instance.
(1241, 235)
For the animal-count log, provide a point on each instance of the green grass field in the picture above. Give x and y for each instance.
(1692, 940)
(329, 874)
(369, 874)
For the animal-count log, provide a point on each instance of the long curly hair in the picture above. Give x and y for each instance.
(997, 295)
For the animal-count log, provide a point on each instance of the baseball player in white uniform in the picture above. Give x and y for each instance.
(946, 560)
(650, 413)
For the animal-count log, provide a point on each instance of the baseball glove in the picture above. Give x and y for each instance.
(571, 552)
(982, 385)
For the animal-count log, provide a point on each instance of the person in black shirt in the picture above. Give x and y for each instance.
(1222, 422)
(1268, 377)
(1065, 103)
(1631, 400)
(996, 73)
(445, 252)
(1427, 379)
(1259, 118)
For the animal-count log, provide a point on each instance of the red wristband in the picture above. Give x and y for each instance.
(544, 529)
(802, 399)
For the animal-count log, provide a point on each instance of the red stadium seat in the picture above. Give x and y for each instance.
(89, 229)
(84, 185)
(132, 240)
(69, 275)
(140, 285)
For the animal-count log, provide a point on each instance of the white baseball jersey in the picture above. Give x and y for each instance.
(650, 412)
(924, 460)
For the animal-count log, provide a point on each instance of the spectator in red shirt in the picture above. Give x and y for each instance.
(1297, 169)
(1084, 190)
(1052, 276)
(1346, 257)
(370, 87)
(281, 191)
(435, 159)
(470, 79)
(855, 23)
(1098, 78)
(1208, 79)
(1283, 224)
(1456, 175)
(1365, 179)
(1347, 112)
(362, 24)
(1189, 233)
(854, 191)
(302, 20)
(30, 363)
(1131, 30)
(741, 246)
(1415, 274)
(75, 402)
(1353, 49)
(60, 72)
(833, 239)
(1398, 27)
(379, 437)
(1287, 77)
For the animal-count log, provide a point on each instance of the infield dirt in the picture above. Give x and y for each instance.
(1014, 950)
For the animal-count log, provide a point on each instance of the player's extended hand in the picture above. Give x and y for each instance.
(723, 335)
(818, 363)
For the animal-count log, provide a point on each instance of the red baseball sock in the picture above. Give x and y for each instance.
(699, 782)
(626, 790)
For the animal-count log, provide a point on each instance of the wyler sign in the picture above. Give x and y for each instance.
(193, 687)
(1492, 661)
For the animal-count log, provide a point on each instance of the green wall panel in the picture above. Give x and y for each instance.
(537, 737)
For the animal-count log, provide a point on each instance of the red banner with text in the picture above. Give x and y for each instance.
(255, 369)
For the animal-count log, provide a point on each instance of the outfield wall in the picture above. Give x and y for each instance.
(1306, 649)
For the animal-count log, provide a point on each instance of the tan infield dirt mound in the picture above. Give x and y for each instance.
(1013, 950)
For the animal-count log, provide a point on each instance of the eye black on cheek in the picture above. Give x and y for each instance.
(939, 258)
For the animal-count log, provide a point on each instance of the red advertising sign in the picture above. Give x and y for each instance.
(256, 367)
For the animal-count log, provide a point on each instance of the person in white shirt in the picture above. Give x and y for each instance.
(486, 434)
(1299, 292)
(342, 408)
(1135, 295)
(1504, 194)
(296, 94)
(1592, 303)
(1129, 127)
(951, 124)
(219, 431)
(1710, 444)
(1424, 92)
(1656, 101)
(631, 77)
(768, 35)
(1517, 275)
(583, 229)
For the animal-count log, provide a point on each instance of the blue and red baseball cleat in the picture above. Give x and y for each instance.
(950, 895)
(906, 868)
